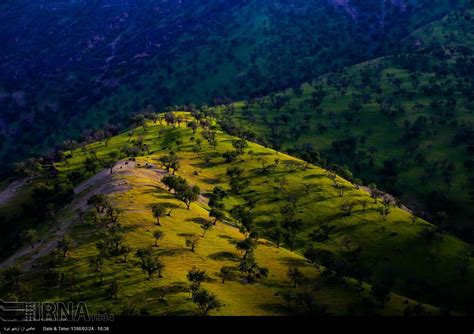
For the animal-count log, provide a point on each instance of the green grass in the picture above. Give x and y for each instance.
(215, 250)
(391, 244)
(381, 132)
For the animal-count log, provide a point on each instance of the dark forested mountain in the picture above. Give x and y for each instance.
(67, 66)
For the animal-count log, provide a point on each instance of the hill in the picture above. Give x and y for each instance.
(134, 190)
(402, 122)
(349, 235)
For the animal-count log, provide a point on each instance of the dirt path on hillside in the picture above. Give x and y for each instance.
(102, 183)
(10, 191)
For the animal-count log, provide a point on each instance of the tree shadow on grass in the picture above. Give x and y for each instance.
(224, 256)
(197, 220)
(182, 313)
(204, 164)
(274, 308)
(259, 154)
(232, 241)
(293, 262)
(313, 176)
(173, 251)
(211, 180)
(184, 235)
(223, 236)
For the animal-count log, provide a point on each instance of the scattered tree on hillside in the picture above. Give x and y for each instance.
(192, 241)
(150, 264)
(206, 301)
(99, 202)
(226, 273)
(12, 274)
(159, 210)
(30, 236)
(170, 162)
(296, 276)
(65, 245)
(217, 214)
(251, 270)
(158, 235)
(247, 245)
(113, 289)
(96, 262)
(206, 226)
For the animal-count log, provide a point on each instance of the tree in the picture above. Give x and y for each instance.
(206, 301)
(112, 215)
(192, 241)
(193, 125)
(159, 210)
(176, 183)
(380, 293)
(277, 235)
(65, 245)
(217, 214)
(170, 161)
(232, 172)
(428, 235)
(197, 149)
(251, 270)
(12, 274)
(247, 246)
(196, 275)
(319, 257)
(113, 160)
(30, 237)
(308, 187)
(125, 251)
(364, 204)
(307, 301)
(158, 235)
(347, 207)
(27, 169)
(239, 145)
(288, 297)
(96, 262)
(170, 118)
(149, 263)
(296, 276)
(206, 226)
(238, 185)
(387, 204)
(244, 215)
(189, 195)
(230, 156)
(91, 165)
(226, 273)
(99, 202)
(374, 192)
(417, 310)
(113, 289)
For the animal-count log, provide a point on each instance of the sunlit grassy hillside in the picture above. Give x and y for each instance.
(414, 257)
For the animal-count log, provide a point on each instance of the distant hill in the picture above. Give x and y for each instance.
(67, 66)
(404, 122)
